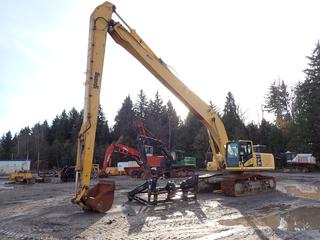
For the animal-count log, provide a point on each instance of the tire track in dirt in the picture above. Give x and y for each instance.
(147, 223)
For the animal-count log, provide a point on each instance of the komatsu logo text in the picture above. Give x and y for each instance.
(96, 80)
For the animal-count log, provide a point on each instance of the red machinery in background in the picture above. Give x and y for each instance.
(158, 160)
(120, 158)
(151, 159)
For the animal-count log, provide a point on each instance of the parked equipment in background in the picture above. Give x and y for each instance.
(119, 159)
(156, 158)
(301, 162)
(49, 173)
(304, 162)
(42, 179)
(149, 193)
(21, 177)
(68, 174)
(179, 157)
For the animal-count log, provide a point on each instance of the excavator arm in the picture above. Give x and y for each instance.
(84, 197)
(131, 41)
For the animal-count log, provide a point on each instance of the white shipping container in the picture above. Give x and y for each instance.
(122, 165)
(133, 164)
(10, 166)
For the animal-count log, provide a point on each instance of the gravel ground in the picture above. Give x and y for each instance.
(44, 211)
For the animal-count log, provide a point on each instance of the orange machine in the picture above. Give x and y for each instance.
(119, 153)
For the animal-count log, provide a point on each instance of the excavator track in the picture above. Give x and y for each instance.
(247, 184)
(180, 172)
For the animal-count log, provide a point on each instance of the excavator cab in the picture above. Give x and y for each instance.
(239, 154)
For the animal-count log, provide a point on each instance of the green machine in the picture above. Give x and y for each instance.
(178, 156)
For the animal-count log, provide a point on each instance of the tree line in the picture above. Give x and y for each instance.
(296, 126)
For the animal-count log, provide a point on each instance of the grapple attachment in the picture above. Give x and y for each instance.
(100, 197)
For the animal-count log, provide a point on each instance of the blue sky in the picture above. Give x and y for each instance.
(213, 46)
(32, 35)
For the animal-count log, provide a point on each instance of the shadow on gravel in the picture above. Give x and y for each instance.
(65, 222)
(163, 212)
(68, 226)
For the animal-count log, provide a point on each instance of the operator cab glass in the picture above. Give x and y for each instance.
(149, 150)
(238, 152)
(179, 155)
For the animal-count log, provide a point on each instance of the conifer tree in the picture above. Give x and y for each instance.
(307, 106)
(278, 102)
(7, 146)
(232, 119)
(140, 107)
(124, 122)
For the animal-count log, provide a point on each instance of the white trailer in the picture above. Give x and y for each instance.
(304, 162)
(10, 166)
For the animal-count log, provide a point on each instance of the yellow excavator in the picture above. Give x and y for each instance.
(236, 158)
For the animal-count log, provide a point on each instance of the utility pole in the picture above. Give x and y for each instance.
(169, 142)
(28, 134)
(18, 147)
(27, 143)
(38, 162)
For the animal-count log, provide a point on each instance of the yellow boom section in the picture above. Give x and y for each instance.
(96, 48)
(207, 115)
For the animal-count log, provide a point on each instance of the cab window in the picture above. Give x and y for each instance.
(232, 150)
(245, 151)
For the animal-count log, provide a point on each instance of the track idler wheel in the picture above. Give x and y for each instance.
(100, 197)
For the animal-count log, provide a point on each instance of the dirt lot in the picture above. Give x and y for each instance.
(44, 211)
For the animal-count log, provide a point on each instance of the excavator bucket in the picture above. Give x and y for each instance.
(100, 197)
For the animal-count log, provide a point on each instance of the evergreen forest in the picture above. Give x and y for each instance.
(296, 125)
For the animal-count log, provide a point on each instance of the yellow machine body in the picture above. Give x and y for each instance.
(21, 177)
(114, 171)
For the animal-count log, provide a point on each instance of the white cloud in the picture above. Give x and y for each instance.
(30, 53)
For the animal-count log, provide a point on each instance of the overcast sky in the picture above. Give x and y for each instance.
(213, 46)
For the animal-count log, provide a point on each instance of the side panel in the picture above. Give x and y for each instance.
(267, 160)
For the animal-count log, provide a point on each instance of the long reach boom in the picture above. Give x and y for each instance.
(101, 23)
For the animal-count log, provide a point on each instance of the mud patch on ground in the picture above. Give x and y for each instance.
(273, 207)
(309, 192)
(298, 219)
